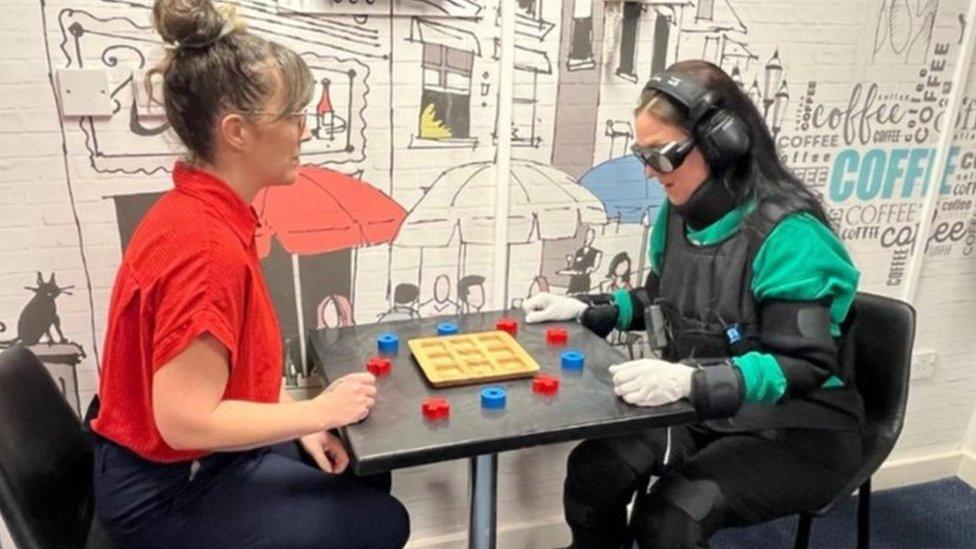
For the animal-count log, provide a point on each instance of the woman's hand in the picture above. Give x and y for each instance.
(546, 307)
(347, 399)
(327, 451)
(651, 382)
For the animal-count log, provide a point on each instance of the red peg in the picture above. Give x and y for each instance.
(507, 325)
(435, 408)
(379, 366)
(545, 384)
(557, 336)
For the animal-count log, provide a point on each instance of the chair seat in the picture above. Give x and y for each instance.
(874, 452)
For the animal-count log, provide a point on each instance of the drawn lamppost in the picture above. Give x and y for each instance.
(737, 76)
(771, 82)
(773, 96)
(780, 100)
(754, 94)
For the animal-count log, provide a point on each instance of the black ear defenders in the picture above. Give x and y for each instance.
(722, 136)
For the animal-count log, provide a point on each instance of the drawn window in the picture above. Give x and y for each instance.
(662, 35)
(446, 98)
(524, 106)
(706, 10)
(581, 46)
(529, 64)
(628, 41)
(529, 8)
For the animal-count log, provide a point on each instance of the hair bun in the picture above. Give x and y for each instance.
(192, 23)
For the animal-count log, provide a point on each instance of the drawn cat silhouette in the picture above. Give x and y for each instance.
(39, 315)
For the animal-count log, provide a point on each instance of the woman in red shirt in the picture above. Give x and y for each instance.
(195, 434)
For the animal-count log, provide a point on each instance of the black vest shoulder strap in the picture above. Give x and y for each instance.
(771, 215)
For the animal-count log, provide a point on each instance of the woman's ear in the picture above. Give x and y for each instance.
(234, 131)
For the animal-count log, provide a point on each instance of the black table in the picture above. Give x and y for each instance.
(396, 434)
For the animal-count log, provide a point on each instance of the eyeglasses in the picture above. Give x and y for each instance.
(664, 159)
(296, 115)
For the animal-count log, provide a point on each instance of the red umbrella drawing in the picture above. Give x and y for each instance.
(323, 211)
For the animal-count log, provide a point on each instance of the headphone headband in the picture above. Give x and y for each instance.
(696, 99)
(722, 136)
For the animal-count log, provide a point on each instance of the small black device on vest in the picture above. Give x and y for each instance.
(656, 327)
(734, 335)
(721, 135)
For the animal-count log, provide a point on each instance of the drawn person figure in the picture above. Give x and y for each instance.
(440, 303)
(618, 274)
(471, 294)
(404, 303)
(582, 263)
(335, 311)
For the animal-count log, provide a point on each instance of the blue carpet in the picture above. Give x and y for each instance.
(939, 514)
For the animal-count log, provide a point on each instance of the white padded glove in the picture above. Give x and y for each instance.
(546, 307)
(651, 382)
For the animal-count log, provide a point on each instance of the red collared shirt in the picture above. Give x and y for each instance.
(191, 267)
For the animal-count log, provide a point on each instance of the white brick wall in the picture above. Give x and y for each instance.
(970, 441)
(835, 44)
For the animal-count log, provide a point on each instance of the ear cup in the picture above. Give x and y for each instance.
(723, 137)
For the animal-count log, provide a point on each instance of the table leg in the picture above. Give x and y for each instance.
(484, 487)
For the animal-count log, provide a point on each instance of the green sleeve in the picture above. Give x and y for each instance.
(801, 260)
(763, 379)
(659, 238)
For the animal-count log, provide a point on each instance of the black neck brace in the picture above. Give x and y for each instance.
(710, 201)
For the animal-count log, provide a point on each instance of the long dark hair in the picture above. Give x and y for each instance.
(759, 174)
(617, 260)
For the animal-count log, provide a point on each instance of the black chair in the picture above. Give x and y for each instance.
(884, 331)
(45, 461)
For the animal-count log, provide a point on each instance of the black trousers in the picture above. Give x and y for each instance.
(264, 498)
(706, 480)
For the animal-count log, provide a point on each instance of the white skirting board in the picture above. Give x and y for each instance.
(967, 468)
(909, 471)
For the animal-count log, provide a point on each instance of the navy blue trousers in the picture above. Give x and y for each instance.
(268, 497)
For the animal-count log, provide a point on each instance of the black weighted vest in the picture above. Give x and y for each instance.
(705, 293)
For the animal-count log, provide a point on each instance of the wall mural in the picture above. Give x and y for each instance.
(904, 29)
(392, 215)
(38, 328)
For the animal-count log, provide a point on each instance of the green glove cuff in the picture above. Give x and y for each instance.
(621, 298)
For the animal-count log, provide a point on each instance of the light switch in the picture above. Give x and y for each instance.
(84, 92)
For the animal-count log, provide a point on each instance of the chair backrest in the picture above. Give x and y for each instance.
(884, 332)
(45, 458)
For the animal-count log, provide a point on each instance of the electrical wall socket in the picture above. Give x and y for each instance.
(923, 363)
(84, 92)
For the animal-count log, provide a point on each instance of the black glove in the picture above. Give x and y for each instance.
(600, 319)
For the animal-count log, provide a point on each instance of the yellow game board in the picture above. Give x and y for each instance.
(472, 358)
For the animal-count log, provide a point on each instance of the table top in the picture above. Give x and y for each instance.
(396, 433)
